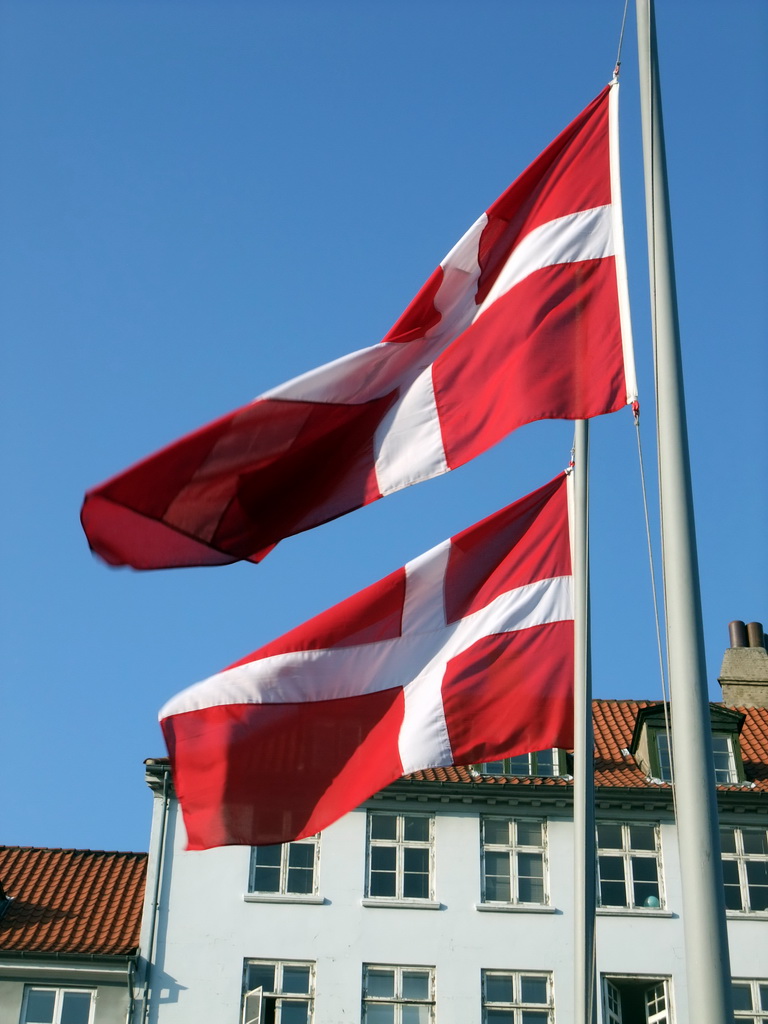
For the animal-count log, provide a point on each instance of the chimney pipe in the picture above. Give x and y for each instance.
(755, 634)
(738, 633)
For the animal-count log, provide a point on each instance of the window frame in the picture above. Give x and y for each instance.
(758, 993)
(60, 991)
(627, 853)
(398, 1000)
(661, 759)
(507, 767)
(742, 859)
(517, 1007)
(277, 994)
(514, 848)
(283, 893)
(400, 843)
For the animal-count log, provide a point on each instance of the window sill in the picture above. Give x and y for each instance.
(633, 912)
(401, 904)
(280, 897)
(516, 908)
(747, 915)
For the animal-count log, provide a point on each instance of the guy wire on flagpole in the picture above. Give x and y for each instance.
(706, 940)
(583, 763)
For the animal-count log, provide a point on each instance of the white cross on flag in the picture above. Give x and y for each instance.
(464, 655)
(525, 319)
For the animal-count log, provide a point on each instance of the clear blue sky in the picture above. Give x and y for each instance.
(201, 199)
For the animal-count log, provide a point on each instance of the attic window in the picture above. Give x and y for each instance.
(538, 762)
(650, 744)
(726, 772)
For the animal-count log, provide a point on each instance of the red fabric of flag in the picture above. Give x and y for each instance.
(524, 319)
(463, 655)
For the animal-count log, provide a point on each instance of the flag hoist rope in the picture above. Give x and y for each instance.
(706, 940)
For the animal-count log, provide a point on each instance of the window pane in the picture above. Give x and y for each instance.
(268, 856)
(266, 879)
(609, 837)
(520, 765)
(261, 976)
(732, 885)
(497, 886)
(499, 988)
(294, 1012)
(642, 837)
(416, 1014)
(612, 894)
(300, 880)
(530, 867)
(757, 880)
(728, 840)
(415, 830)
(742, 997)
(529, 833)
(496, 832)
(381, 983)
(40, 1005)
(533, 990)
(534, 1016)
(493, 768)
(295, 978)
(546, 762)
(415, 985)
(384, 826)
(301, 855)
(611, 869)
(75, 1008)
(500, 1016)
(764, 997)
(755, 842)
(379, 1013)
(416, 873)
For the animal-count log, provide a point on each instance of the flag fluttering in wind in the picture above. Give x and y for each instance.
(524, 319)
(464, 655)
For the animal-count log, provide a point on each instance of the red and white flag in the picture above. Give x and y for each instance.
(525, 319)
(464, 655)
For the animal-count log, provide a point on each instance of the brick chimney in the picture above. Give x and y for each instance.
(744, 673)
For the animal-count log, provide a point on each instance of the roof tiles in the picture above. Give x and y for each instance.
(71, 901)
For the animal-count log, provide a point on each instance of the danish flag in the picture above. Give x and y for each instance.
(525, 319)
(464, 655)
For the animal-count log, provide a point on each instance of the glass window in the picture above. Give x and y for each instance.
(398, 995)
(629, 866)
(57, 1006)
(400, 855)
(539, 762)
(513, 854)
(745, 868)
(750, 1001)
(278, 992)
(726, 773)
(289, 869)
(517, 997)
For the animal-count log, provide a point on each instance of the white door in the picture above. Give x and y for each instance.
(612, 1003)
(656, 1004)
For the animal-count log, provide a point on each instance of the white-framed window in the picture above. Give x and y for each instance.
(398, 995)
(750, 1000)
(289, 869)
(278, 992)
(745, 868)
(48, 1005)
(400, 855)
(629, 866)
(637, 999)
(514, 860)
(538, 762)
(724, 758)
(518, 997)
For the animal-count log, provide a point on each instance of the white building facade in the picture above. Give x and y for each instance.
(448, 897)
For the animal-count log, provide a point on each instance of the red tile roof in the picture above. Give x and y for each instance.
(71, 901)
(614, 723)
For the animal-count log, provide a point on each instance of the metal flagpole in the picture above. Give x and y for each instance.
(706, 940)
(583, 765)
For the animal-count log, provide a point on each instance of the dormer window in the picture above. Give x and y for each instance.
(538, 762)
(650, 744)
